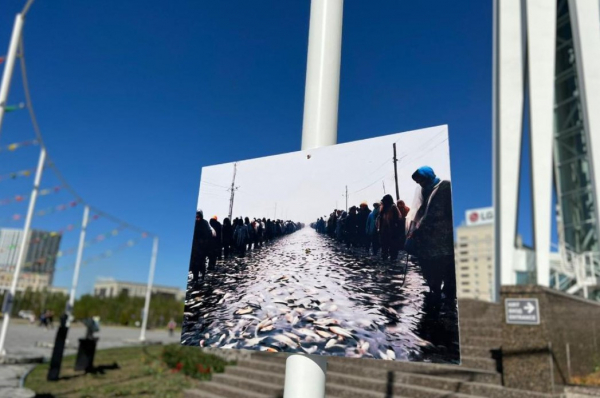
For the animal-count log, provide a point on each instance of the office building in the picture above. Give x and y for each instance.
(41, 250)
(547, 71)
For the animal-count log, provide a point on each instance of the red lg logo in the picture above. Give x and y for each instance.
(473, 217)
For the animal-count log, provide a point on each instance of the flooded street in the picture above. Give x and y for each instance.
(304, 292)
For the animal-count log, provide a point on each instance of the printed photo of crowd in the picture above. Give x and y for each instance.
(387, 229)
(334, 251)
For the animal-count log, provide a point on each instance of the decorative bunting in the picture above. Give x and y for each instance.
(22, 198)
(12, 108)
(103, 255)
(46, 211)
(14, 146)
(22, 173)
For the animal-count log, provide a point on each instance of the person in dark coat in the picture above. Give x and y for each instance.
(217, 243)
(434, 233)
(241, 237)
(227, 237)
(201, 244)
(388, 225)
(361, 219)
(371, 229)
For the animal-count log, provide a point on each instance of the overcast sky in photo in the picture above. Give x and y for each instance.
(295, 187)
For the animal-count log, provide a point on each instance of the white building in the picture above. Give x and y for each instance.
(547, 55)
(108, 287)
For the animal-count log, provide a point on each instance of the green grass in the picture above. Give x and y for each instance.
(129, 372)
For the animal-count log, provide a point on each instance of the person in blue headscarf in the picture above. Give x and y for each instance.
(433, 233)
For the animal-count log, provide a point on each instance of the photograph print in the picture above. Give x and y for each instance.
(345, 250)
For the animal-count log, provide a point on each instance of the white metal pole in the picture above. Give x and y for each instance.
(71, 303)
(22, 245)
(321, 95)
(149, 288)
(9, 62)
(305, 375)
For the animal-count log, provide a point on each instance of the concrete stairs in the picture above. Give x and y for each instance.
(263, 374)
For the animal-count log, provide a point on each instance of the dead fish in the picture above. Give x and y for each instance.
(243, 311)
(222, 338)
(292, 336)
(324, 334)
(307, 332)
(326, 321)
(201, 343)
(333, 308)
(363, 347)
(391, 354)
(229, 346)
(310, 350)
(267, 328)
(206, 336)
(285, 340)
(268, 349)
(340, 331)
(330, 344)
(186, 314)
(254, 341)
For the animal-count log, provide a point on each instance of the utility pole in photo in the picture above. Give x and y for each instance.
(396, 173)
(233, 189)
(383, 182)
(346, 195)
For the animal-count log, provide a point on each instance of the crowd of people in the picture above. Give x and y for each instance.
(214, 240)
(390, 227)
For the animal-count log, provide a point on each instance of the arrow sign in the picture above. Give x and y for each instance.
(522, 311)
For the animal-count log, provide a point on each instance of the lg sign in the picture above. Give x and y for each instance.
(480, 216)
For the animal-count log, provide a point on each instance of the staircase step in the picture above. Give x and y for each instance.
(475, 351)
(374, 368)
(225, 391)
(199, 394)
(248, 384)
(479, 363)
(359, 387)
(481, 331)
(480, 341)
(258, 375)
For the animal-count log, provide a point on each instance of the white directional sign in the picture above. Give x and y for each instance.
(522, 311)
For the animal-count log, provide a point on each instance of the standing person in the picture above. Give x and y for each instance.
(227, 237)
(200, 247)
(433, 235)
(171, 325)
(351, 227)
(50, 319)
(363, 214)
(251, 232)
(389, 228)
(371, 230)
(404, 209)
(241, 237)
(217, 243)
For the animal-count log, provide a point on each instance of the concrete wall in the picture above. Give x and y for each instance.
(535, 357)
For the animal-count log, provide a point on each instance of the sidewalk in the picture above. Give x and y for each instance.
(27, 345)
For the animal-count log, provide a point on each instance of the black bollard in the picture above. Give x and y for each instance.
(87, 348)
(57, 351)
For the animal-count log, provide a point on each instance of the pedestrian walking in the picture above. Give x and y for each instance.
(227, 237)
(361, 220)
(171, 325)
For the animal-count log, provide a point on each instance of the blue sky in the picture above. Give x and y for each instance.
(134, 97)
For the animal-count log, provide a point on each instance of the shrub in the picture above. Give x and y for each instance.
(192, 361)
